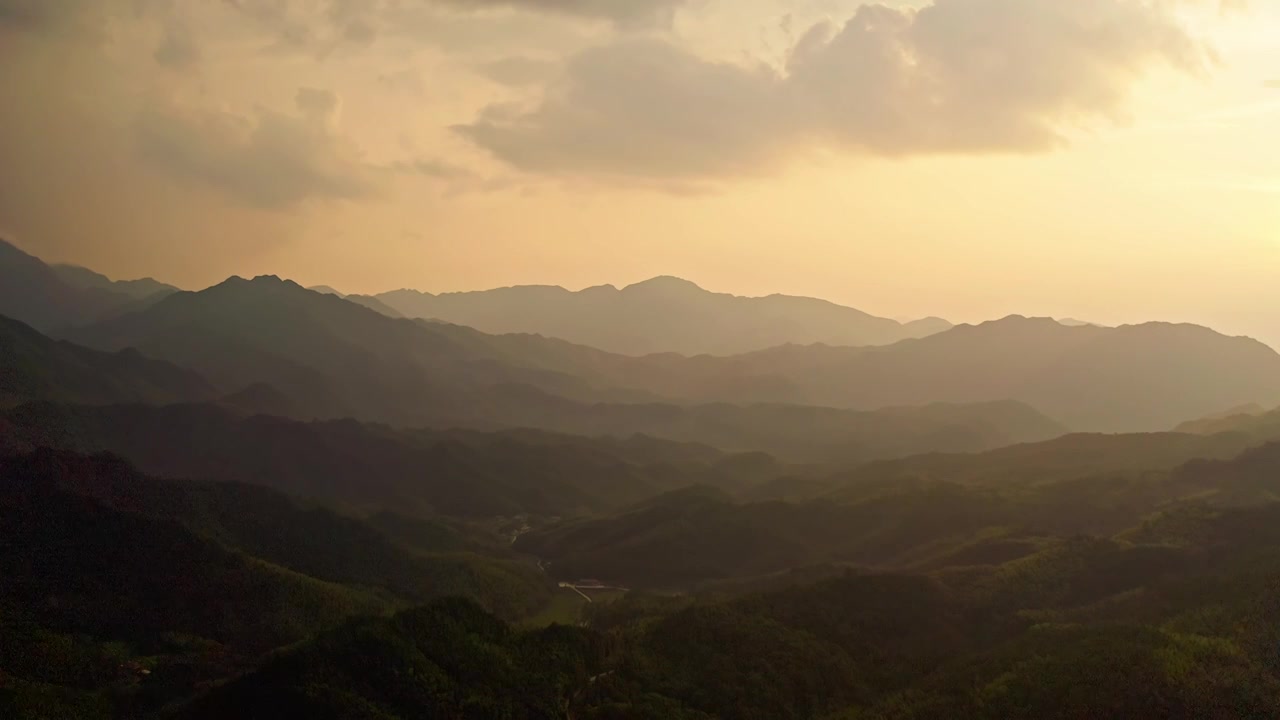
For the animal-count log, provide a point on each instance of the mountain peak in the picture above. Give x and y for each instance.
(1020, 321)
(260, 281)
(665, 283)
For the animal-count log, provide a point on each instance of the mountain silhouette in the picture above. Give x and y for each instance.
(340, 359)
(1126, 379)
(35, 367)
(86, 279)
(332, 358)
(374, 304)
(34, 293)
(665, 314)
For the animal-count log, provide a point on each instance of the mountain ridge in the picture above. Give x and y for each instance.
(676, 314)
(334, 358)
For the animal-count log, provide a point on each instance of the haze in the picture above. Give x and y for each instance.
(1114, 161)
(639, 359)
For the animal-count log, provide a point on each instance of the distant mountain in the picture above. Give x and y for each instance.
(1072, 322)
(1126, 379)
(1237, 419)
(36, 294)
(1141, 378)
(86, 279)
(797, 432)
(34, 367)
(1065, 459)
(664, 314)
(368, 301)
(332, 358)
(375, 304)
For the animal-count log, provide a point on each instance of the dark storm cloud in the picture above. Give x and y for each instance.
(956, 76)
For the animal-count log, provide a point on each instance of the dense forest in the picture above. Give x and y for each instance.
(264, 501)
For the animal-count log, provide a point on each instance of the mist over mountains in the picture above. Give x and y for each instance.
(665, 314)
(346, 360)
(265, 496)
(322, 355)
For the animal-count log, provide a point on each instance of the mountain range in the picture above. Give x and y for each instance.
(54, 298)
(293, 351)
(1143, 378)
(35, 367)
(340, 359)
(330, 358)
(665, 314)
(259, 500)
(421, 473)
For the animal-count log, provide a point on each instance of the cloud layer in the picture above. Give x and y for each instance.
(955, 76)
(269, 160)
(621, 10)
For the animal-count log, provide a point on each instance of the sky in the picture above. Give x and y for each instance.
(1110, 160)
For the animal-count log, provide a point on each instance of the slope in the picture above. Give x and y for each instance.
(332, 357)
(377, 468)
(34, 367)
(86, 279)
(33, 293)
(192, 581)
(1071, 457)
(685, 538)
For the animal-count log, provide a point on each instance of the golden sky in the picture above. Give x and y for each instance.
(1111, 160)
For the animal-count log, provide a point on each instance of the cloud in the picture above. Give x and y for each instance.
(624, 11)
(642, 107)
(956, 76)
(52, 16)
(178, 49)
(321, 27)
(517, 71)
(434, 169)
(268, 160)
(318, 104)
